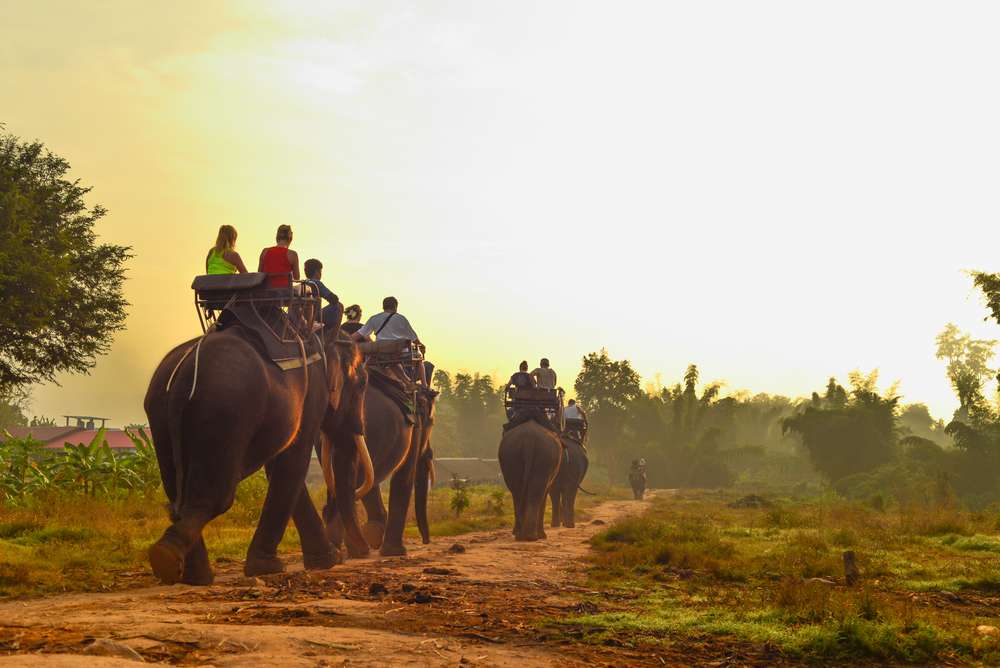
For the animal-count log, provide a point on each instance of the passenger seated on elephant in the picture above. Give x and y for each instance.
(521, 378)
(545, 377)
(314, 274)
(390, 325)
(222, 257)
(353, 315)
(279, 260)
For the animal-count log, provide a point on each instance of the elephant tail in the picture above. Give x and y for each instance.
(580, 487)
(175, 421)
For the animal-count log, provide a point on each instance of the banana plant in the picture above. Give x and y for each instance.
(143, 461)
(85, 465)
(22, 468)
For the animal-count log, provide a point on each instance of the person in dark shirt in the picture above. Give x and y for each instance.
(521, 378)
(314, 274)
(353, 315)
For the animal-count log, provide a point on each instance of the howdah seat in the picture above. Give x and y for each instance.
(280, 320)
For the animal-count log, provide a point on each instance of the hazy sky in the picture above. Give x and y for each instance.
(777, 191)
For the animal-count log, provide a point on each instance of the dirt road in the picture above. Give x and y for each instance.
(484, 602)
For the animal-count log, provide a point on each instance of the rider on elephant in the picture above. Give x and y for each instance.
(520, 380)
(279, 260)
(545, 377)
(576, 420)
(314, 273)
(353, 315)
(390, 324)
(222, 257)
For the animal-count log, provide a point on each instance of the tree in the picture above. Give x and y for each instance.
(848, 437)
(968, 368)
(13, 403)
(604, 384)
(606, 389)
(62, 289)
(469, 415)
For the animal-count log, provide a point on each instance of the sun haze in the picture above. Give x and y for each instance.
(777, 191)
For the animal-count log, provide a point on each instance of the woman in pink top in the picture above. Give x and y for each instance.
(279, 260)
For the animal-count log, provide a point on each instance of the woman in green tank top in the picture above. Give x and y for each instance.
(222, 257)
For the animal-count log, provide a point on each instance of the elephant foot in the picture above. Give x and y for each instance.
(167, 560)
(262, 565)
(425, 541)
(373, 532)
(357, 551)
(321, 561)
(392, 551)
(570, 525)
(198, 578)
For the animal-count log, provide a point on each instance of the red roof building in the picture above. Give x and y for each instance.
(55, 438)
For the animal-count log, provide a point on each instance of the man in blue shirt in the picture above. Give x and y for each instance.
(314, 274)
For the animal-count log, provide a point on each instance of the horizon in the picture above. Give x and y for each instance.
(674, 184)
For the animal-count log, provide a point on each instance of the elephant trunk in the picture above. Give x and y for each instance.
(366, 464)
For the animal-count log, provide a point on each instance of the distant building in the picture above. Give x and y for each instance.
(83, 432)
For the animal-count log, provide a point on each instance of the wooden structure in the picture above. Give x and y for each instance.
(549, 402)
(287, 313)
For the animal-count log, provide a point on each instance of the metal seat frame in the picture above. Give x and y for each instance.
(304, 305)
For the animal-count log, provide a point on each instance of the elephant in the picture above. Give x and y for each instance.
(530, 456)
(563, 491)
(241, 413)
(400, 453)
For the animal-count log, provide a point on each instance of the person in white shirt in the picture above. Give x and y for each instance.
(576, 421)
(390, 325)
(573, 411)
(545, 377)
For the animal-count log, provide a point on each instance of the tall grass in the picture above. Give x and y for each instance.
(694, 567)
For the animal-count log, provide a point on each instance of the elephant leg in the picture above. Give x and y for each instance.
(374, 529)
(317, 551)
(345, 475)
(569, 507)
(420, 490)
(400, 493)
(208, 496)
(529, 515)
(556, 497)
(197, 569)
(286, 474)
(540, 518)
(518, 517)
(331, 521)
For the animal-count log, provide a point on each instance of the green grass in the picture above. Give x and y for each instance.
(694, 568)
(61, 542)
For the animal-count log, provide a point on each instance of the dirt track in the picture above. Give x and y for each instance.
(437, 607)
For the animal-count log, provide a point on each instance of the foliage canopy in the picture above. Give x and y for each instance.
(62, 288)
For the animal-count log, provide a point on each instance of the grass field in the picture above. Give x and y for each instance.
(774, 575)
(60, 543)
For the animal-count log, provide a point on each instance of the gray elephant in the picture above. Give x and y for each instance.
(571, 473)
(530, 456)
